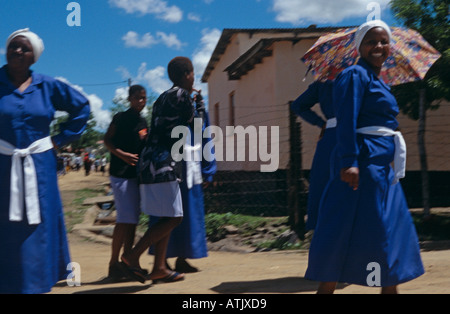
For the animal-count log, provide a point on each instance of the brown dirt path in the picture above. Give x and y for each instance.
(222, 272)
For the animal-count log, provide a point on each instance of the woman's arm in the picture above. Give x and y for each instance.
(66, 98)
(347, 96)
(129, 158)
(303, 104)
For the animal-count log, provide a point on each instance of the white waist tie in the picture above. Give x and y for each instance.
(193, 157)
(331, 123)
(400, 147)
(27, 188)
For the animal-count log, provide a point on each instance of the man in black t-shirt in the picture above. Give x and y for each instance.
(125, 139)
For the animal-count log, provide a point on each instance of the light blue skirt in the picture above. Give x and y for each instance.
(161, 199)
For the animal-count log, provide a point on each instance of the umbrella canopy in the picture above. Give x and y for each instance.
(411, 56)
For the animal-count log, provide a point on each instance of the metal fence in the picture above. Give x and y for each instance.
(280, 193)
(284, 192)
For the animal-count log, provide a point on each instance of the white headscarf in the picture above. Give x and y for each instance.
(35, 40)
(366, 27)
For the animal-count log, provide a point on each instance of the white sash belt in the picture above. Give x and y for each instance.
(193, 157)
(24, 189)
(332, 123)
(400, 148)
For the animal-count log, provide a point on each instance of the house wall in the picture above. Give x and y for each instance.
(437, 139)
(262, 95)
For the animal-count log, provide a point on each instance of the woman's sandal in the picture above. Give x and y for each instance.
(135, 273)
(172, 277)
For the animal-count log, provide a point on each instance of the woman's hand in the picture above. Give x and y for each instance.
(351, 176)
(129, 158)
(322, 131)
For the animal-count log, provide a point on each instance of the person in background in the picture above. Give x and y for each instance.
(33, 243)
(320, 92)
(188, 240)
(103, 163)
(125, 139)
(364, 233)
(160, 191)
(87, 164)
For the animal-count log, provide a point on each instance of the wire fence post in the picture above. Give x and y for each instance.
(295, 182)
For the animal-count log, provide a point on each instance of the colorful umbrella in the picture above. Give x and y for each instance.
(411, 56)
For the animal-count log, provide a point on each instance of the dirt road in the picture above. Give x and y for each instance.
(223, 272)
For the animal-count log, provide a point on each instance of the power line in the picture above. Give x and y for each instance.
(106, 84)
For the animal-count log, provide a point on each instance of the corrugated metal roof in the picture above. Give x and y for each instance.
(227, 33)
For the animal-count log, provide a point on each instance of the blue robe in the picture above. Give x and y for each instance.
(35, 257)
(356, 229)
(188, 240)
(318, 92)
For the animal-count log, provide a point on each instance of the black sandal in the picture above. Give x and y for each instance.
(134, 273)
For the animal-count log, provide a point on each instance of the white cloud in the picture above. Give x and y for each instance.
(154, 78)
(202, 55)
(322, 11)
(161, 9)
(101, 116)
(194, 17)
(121, 94)
(134, 40)
(170, 40)
(2, 51)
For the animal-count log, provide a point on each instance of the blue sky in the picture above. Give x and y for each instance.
(121, 39)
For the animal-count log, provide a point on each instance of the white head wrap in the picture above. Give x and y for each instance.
(366, 27)
(35, 40)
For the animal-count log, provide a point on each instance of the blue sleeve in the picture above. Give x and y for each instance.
(303, 104)
(67, 99)
(347, 99)
(209, 167)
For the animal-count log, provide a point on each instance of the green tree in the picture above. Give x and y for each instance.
(90, 136)
(431, 19)
(54, 127)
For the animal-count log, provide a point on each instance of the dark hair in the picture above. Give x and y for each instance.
(178, 67)
(134, 89)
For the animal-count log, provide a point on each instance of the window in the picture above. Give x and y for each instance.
(216, 115)
(231, 119)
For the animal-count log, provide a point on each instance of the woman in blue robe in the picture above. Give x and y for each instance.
(188, 240)
(318, 92)
(364, 233)
(35, 253)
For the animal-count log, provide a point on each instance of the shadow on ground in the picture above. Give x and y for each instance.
(279, 285)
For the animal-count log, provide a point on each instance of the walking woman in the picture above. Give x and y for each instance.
(364, 233)
(160, 191)
(320, 92)
(34, 250)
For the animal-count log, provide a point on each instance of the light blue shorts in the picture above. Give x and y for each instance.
(127, 200)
